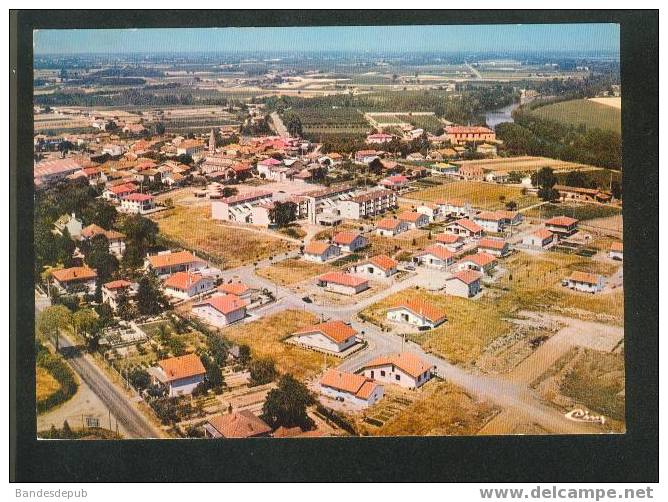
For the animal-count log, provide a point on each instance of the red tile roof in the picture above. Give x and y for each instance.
(584, 277)
(342, 279)
(447, 238)
(491, 243)
(383, 262)
(173, 259)
(561, 221)
(225, 304)
(411, 216)
(237, 288)
(543, 234)
(337, 331)
(74, 274)
(481, 259)
(469, 225)
(316, 247)
(356, 385)
(242, 424)
(388, 224)
(176, 368)
(421, 308)
(124, 188)
(138, 197)
(407, 362)
(121, 283)
(182, 280)
(438, 251)
(345, 238)
(467, 276)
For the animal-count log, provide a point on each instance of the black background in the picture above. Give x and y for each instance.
(631, 457)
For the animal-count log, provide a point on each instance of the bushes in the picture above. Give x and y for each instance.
(62, 373)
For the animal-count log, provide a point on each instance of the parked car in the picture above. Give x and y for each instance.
(306, 299)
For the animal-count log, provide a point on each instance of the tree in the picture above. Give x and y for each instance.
(218, 350)
(286, 405)
(283, 213)
(124, 308)
(86, 323)
(65, 249)
(99, 258)
(511, 205)
(66, 433)
(139, 378)
(100, 212)
(213, 374)
(294, 125)
(229, 191)
(150, 299)
(52, 320)
(616, 189)
(262, 371)
(159, 128)
(545, 179)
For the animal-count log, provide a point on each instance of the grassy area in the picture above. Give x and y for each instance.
(479, 194)
(46, 384)
(410, 242)
(581, 211)
(524, 163)
(442, 409)
(193, 228)
(596, 380)
(265, 338)
(583, 112)
(292, 271)
(600, 177)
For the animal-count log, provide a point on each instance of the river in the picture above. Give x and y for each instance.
(496, 117)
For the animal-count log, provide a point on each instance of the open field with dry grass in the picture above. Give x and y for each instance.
(292, 271)
(265, 336)
(479, 194)
(615, 102)
(524, 163)
(46, 385)
(532, 282)
(193, 228)
(439, 409)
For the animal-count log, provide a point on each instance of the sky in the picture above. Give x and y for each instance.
(479, 38)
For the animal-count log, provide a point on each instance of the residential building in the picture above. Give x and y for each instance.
(192, 147)
(137, 203)
(465, 284)
(414, 219)
(404, 369)
(480, 262)
(541, 238)
(111, 290)
(331, 336)
(436, 257)
(240, 425)
(357, 390)
(321, 251)
(346, 284)
(471, 173)
(465, 228)
(493, 246)
(169, 262)
(179, 374)
(417, 312)
(451, 242)
(71, 223)
(350, 241)
(456, 208)
(237, 289)
(582, 194)
(117, 192)
(47, 171)
(379, 266)
(367, 204)
(221, 310)
(116, 239)
(432, 211)
(617, 251)
(186, 285)
(512, 218)
(389, 227)
(75, 280)
(563, 226)
(584, 282)
(490, 221)
(466, 134)
(395, 182)
(379, 138)
(366, 156)
(238, 208)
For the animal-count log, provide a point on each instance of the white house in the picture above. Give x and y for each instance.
(389, 227)
(491, 221)
(435, 256)
(186, 285)
(350, 241)
(617, 251)
(542, 238)
(381, 266)
(331, 336)
(451, 242)
(237, 289)
(168, 262)
(180, 374)
(465, 284)
(563, 226)
(110, 291)
(465, 228)
(416, 312)
(582, 281)
(320, 251)
(493, 246)
(221, 310)
(414, 219)
(403, 369)
(345, 284)
(355, 389)
(77, 280)
(455, 207)
(480, 262)
(432, 211)
(137, 203)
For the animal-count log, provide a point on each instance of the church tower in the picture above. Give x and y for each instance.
(212, 142)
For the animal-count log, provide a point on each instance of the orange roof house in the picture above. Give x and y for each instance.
(356, 387)
(421, 311)
(241, 424)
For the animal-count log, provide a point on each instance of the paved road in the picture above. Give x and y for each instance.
(134, 422)
(474, 71)
(281, 130)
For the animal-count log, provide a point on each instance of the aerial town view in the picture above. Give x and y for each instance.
(312, 232)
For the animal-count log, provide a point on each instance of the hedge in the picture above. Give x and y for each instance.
(63, 375)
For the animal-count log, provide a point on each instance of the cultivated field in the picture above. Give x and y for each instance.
(231, 246)
(265, 338)
(292, 271)
(524, 164)
(479, 194)
(583, 112)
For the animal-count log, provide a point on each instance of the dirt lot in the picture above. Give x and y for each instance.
(590, 379)
(231, 245)
(479, 194)
(438, 409)
(288, 272)
(265, 336)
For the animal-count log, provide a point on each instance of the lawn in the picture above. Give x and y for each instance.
(292, 271)
(265, 338)
(582, 112)
(441, 409)
(580, 211)
(46, 384)
(193, 228)
(479, 194)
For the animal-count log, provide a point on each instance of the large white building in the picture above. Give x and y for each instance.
(137, 203)
(367, 204)
(584, 282)
(239, 208)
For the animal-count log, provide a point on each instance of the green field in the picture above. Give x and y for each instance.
(582, 112)
(579, 211)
